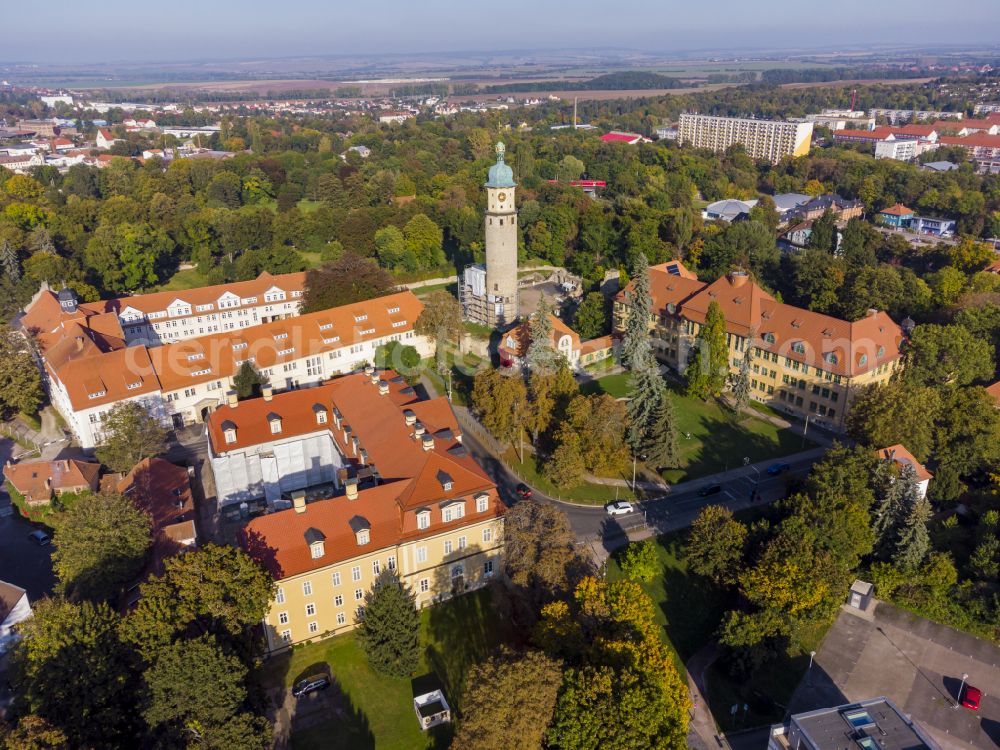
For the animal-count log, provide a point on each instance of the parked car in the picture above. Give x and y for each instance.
(619, 508)
(523, 491)
(710, 489)
(970, 697)
(310, 685)
(39, 537)
(775, 469)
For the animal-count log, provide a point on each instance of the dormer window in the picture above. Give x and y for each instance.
(320, 413)
(393, 310)
(862, 360)
(423, 519)
(446, 481)
(275, 421)
(316, 540)
(482, 502)
(359, 318)
(280, 335)
(196, 355)
(453, 512)
(881, 352)
(799, 347)
(364, 537)
(768, 338)
(831, 358)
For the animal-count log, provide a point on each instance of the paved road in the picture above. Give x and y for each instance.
(674, 510)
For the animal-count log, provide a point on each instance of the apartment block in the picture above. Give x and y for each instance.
(88, 367)
(875, 724)
(408, 497)
(771, 140)
(804, 363)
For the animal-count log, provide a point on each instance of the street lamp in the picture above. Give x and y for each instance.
(965, 676)
(812, 655)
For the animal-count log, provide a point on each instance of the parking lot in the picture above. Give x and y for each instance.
(918, 665)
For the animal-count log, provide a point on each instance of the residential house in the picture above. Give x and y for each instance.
(14, 608)
(728, 210)
(932, 226)
(843, 208)
(805, 363)
(40, 481)
(409, 497)
(902, 458)
(105, 139)
(897, 216)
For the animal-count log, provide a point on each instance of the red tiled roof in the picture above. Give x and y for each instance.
(994, 390)
(412, 478)
(37, 480)
(919, 130)
(903, 457)
(516, 341)
(878, 134)
(596, 345)
(616, 136)
(897, 210)
(976, 140)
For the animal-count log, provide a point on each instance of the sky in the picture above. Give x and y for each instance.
(90, 31)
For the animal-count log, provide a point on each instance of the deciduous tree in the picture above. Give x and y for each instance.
(510, 695)
(440, 320)
(500, 401)
(129, 433)
(101, 544)
(350, 278)
(640, 562)
(715, 544)
(20, 381)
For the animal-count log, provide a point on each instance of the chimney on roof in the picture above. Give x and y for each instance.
(363, 455)
(410, 416)
(351, 488)
(419, 429)
(872, 312)
(337, 416)
(738, 278)
(267, 391)
(427, 442)
(374, 376)
(299, 501)
(369, 369)
(354, 445)
(383, 388)
(232, 400)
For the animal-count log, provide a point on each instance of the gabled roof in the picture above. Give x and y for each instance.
(36, 480)
(976, 140)
(897, 210)
(517, 340)
(903, 457)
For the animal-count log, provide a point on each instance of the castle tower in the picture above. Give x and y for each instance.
(501, 244)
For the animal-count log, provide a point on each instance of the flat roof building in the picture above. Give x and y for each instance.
(875, 724)
(771, 140)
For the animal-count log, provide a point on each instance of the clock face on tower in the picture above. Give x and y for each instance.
(501, 197)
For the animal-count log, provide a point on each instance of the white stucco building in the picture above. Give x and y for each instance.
(14, 608)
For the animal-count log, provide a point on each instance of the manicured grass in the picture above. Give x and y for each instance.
(585, 492)
(376, 710)
(717, 440)
(423, 291)
(190, 278)
(478, 330)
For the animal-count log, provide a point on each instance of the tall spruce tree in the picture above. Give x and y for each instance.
(652, 430)
(541, 356)
(9, 263)
(637, 325)
(913, 542)
(389, 626)
(896, 494)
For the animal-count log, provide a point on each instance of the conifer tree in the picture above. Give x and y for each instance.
(740, 381)
(9, 263)
(389, 626)
(637, 325)
(541, 357)
(914, 541)
(652, 431)
(895, 493)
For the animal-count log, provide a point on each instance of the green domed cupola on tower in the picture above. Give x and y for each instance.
(501, 175)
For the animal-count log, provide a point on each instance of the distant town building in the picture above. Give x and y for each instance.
(618, 136)
(105, 139)
(179, 131)
(838, 119)
(44, 128)
(902, 150)
(488, 291)
(728, 210)
(667, 133)
(876, 724)
(939, 166)
(897, 216)
(896, 116)
(395, 118)
(51, 101)
(771, 140)
(986, 108)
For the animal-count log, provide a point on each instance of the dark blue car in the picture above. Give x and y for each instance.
(775, 469)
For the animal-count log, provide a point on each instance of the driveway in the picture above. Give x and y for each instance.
(915, 663)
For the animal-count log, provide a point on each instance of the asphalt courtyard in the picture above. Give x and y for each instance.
(915, 663)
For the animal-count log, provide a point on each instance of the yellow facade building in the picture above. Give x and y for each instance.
(408, 497)
(804, 363)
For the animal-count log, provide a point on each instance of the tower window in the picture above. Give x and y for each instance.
(501, 222)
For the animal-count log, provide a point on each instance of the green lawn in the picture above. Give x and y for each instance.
(586, 493)
(717, 441)
(187, 279)
(377, 711)
(691, 610)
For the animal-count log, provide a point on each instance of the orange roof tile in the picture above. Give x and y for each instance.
(596, 345)
(37, 480)
(206, 358)
(517, 340)
(994, 390)
(903, 457)
(976, 140)
(897, 210)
